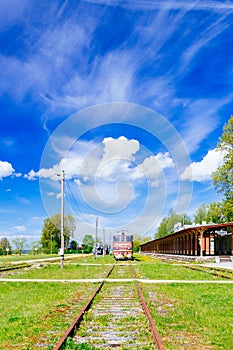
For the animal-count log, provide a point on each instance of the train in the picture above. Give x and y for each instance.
(123, 246)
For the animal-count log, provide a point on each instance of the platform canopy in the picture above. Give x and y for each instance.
(201, 239)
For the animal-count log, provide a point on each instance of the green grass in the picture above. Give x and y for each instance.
(13, 258)
(90, 259)
(70, 271)
(157, 269)
(34, 313)
(37, 313)
(6, 260)
(192, 314)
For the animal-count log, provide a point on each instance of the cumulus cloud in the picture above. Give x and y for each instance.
(6, 169)
(121, 147)
(110, 161)
(202, 171)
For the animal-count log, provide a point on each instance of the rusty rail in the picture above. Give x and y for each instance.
(74, 325)
(155, 333)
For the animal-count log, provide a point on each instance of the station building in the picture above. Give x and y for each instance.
(194, 240)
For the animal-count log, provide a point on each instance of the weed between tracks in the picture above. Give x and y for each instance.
(115, 319)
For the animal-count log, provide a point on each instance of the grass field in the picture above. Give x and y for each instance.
(170, 271)
(70, 271)
(38, 313)
(196, 316)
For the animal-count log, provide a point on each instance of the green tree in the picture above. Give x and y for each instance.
(215, 213)
(51, 232)
(223, 176)
(88, 241)
(69, 228)
(73, 245)
(228, 210)
(201, 214)
(5, 246)
(138, 240)
(162, 229)
(35, 247)
(167, 224)
(19, 242)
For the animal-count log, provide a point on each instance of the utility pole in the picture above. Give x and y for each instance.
(96, 231)
(62, 219)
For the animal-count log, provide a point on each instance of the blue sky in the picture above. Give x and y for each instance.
(128, 97)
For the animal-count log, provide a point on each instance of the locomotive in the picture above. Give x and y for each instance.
(123, 246)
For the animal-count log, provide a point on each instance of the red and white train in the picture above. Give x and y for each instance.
(123, 246)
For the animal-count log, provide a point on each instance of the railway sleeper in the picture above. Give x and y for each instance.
(116, 320)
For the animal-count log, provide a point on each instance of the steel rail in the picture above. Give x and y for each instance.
(15, 267)
(155, 333)
(74, 325)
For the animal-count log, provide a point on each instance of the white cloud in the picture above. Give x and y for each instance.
(20, 228)
(6, 169)
(196, 128)
(120, 148)
(51, 173)
(214, 6)
(17, 174)
(202, 171)
(153, 167)
(50, 194)
(111, 161)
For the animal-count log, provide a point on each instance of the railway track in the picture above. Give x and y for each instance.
(14, 267)
(116, 316)
(28, 264)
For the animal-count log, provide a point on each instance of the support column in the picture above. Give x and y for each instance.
(231, 240)
(201, 231)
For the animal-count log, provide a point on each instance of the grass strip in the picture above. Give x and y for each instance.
(196, 316)
(36, 314)
(53, 271)
(157, 269)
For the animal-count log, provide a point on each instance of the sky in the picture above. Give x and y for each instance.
(129, 98)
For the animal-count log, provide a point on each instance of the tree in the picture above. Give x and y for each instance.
(73, 245)
(19, 243)
(167, 224)
(5, 247)
(162, 229)
(215, 213)
(88, 241)
(228, 210)
(35, 247)
(51, 232)
(138, 240)
(223, 176)
(69, 228)
(201, 214)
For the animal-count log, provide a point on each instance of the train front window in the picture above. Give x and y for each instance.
(129, 238)
(116, 238)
